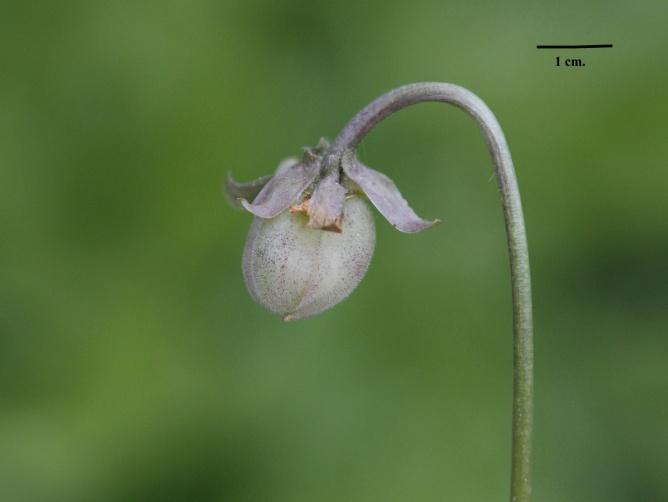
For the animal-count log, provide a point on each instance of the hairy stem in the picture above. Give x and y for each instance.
(401, 97)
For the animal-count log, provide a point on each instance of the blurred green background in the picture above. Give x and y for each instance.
(135, 367)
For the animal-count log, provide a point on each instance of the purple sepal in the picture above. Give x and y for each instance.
(384, 194)
(283, 189)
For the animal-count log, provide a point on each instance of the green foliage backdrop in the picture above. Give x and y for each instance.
(134, 366)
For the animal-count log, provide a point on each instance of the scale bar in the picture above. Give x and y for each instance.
(576, 46)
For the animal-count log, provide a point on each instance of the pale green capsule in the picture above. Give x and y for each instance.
(313, 234)
(297, 271)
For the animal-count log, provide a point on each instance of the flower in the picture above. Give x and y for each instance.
(313, 235)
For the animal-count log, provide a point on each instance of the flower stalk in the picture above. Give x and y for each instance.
(350, 137)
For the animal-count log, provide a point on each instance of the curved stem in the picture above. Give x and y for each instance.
(352, 135)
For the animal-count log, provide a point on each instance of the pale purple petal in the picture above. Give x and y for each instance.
(326, 204)
(234, 190)
(385, 195)
(283, 189)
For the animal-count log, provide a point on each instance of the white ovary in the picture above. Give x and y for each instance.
(296, 271)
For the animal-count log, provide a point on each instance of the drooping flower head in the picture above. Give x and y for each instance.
(313, 235)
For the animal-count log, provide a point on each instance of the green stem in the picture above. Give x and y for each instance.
(395, 100)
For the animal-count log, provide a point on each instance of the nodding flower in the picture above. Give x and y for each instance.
(313, 235)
